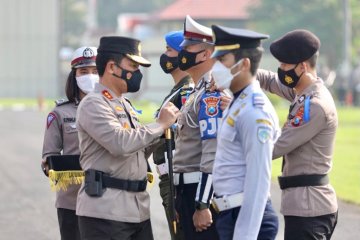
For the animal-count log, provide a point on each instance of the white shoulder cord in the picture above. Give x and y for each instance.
(191, 122)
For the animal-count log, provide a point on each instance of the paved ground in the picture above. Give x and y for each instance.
(27, 205)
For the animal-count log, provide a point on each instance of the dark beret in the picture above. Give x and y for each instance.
(295, 46)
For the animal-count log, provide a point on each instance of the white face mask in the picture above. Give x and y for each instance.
(87, 82)
(222, 75)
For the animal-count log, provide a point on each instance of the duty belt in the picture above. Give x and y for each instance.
(96, 183)
(303, 181)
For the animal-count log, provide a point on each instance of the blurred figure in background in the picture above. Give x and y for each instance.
(61, 136)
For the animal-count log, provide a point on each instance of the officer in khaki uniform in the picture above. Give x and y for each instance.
(194, 155)
(309, 202)
(61, 133)
(113, 203)
(178, 94)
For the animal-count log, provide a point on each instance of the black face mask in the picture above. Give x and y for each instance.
(132, 79)
(187, 59)
(168, 64)
(289, 78)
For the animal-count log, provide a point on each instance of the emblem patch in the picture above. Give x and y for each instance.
(263, 134)
(288, 79)
(88, 53)
(211, 105)
(50, 118)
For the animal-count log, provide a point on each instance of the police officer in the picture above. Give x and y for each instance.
(183, 86)
(246, 137)
(61, 133)
(195, 151)
(309, 202)
(113, 203)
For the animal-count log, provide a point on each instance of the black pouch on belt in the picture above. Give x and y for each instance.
(94, 183)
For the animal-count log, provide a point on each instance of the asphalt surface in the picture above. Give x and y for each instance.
(27, 204)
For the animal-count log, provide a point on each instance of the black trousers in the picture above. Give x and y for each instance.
(185, 206)
(102, 229)
(68, 224)
(310, 228)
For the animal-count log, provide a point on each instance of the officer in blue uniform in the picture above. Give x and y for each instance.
(246, 137)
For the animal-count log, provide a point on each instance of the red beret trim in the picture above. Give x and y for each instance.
(197, 35)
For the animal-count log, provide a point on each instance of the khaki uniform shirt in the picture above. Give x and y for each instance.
(61, 138)
(108, 143)
(191, 153)
(307, 146)
(182, 89)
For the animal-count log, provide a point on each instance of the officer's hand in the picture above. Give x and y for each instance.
(45, 167)
(224, 102)
(202, 219)
(168, 115)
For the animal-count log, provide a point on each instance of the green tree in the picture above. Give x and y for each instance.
(323, 17)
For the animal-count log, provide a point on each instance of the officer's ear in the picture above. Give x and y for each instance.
(110, 67)
(246, 64)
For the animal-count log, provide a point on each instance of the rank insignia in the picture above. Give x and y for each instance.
(264, 121)
(126, 125)
(211, 105)
(263, 134)
(50, 118)
(106, 94)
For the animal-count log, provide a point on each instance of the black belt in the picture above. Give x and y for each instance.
(127, 185)
(96, 182)
(303, 181)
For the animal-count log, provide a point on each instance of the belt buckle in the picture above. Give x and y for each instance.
(215, 207)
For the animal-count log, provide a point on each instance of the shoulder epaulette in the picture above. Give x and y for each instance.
(258, 100)
(60, 102)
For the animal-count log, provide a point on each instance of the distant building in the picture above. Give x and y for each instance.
(29, 48)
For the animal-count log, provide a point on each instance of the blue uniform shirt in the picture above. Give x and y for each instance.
(246, 138)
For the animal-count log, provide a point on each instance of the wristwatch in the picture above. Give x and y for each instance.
(201, 205)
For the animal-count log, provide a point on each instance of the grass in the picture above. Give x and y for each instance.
(345, 175)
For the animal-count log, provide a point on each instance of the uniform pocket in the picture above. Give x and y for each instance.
(70, 128)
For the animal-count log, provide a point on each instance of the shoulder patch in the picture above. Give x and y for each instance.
(106, 94)
(50, 118)
(258, 100)
(263, 134)
(60, 102)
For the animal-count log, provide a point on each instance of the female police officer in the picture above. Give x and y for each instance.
(61, 133)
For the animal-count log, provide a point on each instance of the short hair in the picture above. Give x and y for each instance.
(103, 58)
(313, 60)
(72, 90)
(254, 54)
